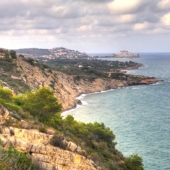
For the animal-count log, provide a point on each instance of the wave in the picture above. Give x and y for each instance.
(65, 113)
(84, 103)
(157, 83)
(81, 96)
(135, 88)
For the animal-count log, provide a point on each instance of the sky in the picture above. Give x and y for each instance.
(92, 26)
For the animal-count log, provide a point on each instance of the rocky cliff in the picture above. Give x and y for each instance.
(68, 87)
(37, 145)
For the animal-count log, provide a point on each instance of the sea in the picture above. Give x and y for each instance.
(139, 116)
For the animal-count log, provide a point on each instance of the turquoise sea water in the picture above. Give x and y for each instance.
(138, 115)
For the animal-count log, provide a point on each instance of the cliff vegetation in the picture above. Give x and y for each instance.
(40, 109)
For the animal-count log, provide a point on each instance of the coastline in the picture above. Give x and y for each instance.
(83, 95)
(83, 86)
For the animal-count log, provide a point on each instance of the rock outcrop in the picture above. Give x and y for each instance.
(38, 146)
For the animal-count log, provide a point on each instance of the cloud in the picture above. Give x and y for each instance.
(70, 22)
(124, 6)
(84, 28)
(38, 3)
(166, 19)
(126, 18)
(141, 26)
(164, 5)
(95, 1)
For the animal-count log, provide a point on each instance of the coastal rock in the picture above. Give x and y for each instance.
(38, 146)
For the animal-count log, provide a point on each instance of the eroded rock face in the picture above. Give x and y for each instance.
(66, 87)
(4, 113)
(38, 146)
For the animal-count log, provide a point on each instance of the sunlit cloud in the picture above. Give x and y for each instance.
(166, 19)
(141, 26)
(124, 6)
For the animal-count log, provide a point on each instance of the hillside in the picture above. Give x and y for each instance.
(69, 144)
(22, 74)
(38, 145)
(33, 135)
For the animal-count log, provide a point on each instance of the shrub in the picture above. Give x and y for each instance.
(42, 129)
(18, 100)
(9, 122)
(55, 121)
(58, 141)
(41, 104)
(100, 133)
(15, 160)
(2, 50)
(30, 60)
(4, 166)
(134, 162)
(6, 99)
(5, 95)
(13, 54)
(11, 106)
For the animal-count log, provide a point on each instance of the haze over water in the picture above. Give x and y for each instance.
(138, 115)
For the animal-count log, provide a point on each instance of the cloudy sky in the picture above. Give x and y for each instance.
(86, 25)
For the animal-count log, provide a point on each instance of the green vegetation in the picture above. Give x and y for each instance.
(95, 138)
(17, 85)
(8, 68)
(6, 99)
(34, 63)
(13, 54)
(92, 69)
(41, 104)
(134, 162)
(2, 50)
(97, 68)
(11, 159)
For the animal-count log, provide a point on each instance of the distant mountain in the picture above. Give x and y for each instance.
(53, 53)
(36, 52)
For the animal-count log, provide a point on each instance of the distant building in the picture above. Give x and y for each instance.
(126, 54)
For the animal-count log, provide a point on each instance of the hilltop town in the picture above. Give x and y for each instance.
(54, 53)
